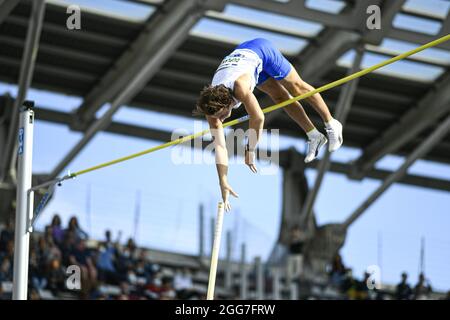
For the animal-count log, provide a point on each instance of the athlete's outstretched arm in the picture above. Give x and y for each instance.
(256, 122)
(221, 159)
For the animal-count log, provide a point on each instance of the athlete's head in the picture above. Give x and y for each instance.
(215, 101)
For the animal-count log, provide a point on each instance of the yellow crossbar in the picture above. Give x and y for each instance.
(268, 109)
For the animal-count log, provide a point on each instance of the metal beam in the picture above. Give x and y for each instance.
(343, 21)
(342, 109)
(176, 75)
(318, 60)
(417, 12)
(243, 286)
(52, 49)
(410, 179)
(428, 144)
(166, 37)
(415, 37)
(259, 272)
(445, 29)
(56, 29)
(228, 262)
(389, 9)
(160, 28)
(389, 53)
(221, 17)
(6, 7)
(429, 109)
(201, 227)
(148, 2)
(25, 78)
(197, 59)
(297, 9)
(45, 114)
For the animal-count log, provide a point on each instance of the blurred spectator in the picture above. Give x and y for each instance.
(67, 247)
(33, 294)
(138, 277)
(338, 272)
(108, 242)
(447, 297)
(422, 288)
(5, 270)
(167, 291)
(131, 275)
(153, 289)
(150, 267)
(128, 292)
(76, 230)
(37, 271)
(47, 251)
(106, 260)
(184, 285)
(56, 276)
(361, 289)
(124, 291)
(141, 271)
(48, 234)
(7, 235)
(3, 295)
(295, 256)
(105, 264)
(126, 257)
(57, 230)
(81, 257)
(403, 290)
(348, 284)
(97, 294)
(130, 250)
(8, 253)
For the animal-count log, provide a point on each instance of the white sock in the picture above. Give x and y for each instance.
(329, 124)
(313, 134)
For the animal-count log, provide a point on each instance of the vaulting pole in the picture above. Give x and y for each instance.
(215, 252)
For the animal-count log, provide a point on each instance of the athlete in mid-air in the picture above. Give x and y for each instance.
(258, 63)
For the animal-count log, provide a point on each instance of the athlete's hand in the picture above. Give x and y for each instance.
(226, 191)
(250, 160)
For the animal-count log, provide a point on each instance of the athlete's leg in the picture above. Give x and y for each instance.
(276, 66)
(296, 87)
(295, 110)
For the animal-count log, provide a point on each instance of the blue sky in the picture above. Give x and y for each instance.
(170, 194)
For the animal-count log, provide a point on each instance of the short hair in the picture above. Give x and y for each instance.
(212, 99)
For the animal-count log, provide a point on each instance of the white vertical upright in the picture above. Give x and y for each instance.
(294, 291)
(276, 286)
(89, 208)
(243, 272)
(137, 215)
(422, 255)
(24, 207)
(201, 227)
(259, 278)
(229, 264)
(380, 251)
